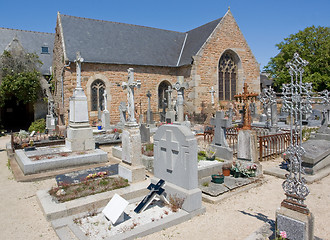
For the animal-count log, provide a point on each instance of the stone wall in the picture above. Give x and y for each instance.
(226, 37)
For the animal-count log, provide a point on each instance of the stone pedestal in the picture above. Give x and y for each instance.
(170, 116)
(79, 137)
(131, 166)
(298, 226)
(247, 146)
(105, 120)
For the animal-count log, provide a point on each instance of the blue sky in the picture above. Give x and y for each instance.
(263, 23)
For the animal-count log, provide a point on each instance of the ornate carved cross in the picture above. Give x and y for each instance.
(245, 97)
(212, 91)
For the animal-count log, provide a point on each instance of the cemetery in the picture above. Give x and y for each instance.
(164, 172)
(125, 170)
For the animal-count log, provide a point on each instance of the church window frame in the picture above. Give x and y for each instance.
(228, 77)
(97, 99)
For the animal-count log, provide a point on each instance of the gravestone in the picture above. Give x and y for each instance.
(145, 133)
(79, 132)
(114, 210)
(315, 118)
(175, 153)
(219, 142)
(105, 118)
(50, 118)
(247, 147)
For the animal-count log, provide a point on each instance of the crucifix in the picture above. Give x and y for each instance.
(130, 85)
(78, 62)
(245, 97)
(212, 91)
(169, 98)
(149, 117)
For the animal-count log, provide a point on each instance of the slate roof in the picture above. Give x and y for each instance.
(32, 43)
(118, 43)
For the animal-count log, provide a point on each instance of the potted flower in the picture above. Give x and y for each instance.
(226, 169)
(210, 154)
(235, 168)
(218, 178)
(30, 147)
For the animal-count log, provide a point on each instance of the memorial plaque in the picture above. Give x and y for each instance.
(115, 208)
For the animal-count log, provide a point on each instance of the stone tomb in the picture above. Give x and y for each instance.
(175, 152)
(317, 155)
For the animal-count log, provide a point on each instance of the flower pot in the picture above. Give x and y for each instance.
(226, 172)
(237, 174)
(99, 127)
(210, 158)
(216, 178)
(29, 148)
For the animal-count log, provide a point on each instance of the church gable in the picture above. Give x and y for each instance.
(226, 39)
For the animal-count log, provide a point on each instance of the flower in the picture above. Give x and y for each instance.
(283, 234)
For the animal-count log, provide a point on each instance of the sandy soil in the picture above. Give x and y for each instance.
(234, 218)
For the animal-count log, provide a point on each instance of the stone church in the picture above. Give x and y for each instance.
(215, 54)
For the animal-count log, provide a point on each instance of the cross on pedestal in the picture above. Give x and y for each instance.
(130, 85)
(179, 87)
(171, 147)
(169, 94)
(268, 98)
(245, 97)
(212, 91)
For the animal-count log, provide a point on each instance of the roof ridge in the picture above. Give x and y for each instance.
(128, 24)
(26, 30)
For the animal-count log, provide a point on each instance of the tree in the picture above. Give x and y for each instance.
(313, 45)
(19, 75)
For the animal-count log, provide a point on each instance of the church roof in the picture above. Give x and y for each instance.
(119, 43)
(32, 42)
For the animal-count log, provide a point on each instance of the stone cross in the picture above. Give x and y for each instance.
(245, 97)
(212, 91)
(179, 87)
(130, 85)
(122, 112)
(169, 92)
(78, 62)
(149, 113)
(105, 96)
(221, 123)
(51, 108)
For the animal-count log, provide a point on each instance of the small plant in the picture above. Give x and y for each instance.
(205, 184)
(176, 202)
(281, 236)
(38, 126)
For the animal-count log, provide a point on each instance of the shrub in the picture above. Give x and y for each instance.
(38, 126)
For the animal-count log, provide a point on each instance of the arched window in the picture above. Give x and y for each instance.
(227, 77)
(162, 94)
(97, 99)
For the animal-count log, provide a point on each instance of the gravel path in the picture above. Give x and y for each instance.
(234, 218)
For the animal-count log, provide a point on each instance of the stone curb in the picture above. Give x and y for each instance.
(66, 229)
(53, 210)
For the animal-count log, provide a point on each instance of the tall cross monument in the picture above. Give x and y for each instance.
(245, 97)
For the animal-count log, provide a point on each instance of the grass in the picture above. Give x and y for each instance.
(86, 188)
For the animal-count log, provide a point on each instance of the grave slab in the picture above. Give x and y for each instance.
(115, 209)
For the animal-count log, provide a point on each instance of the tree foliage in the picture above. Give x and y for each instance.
(313, 45)
(19, 75)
